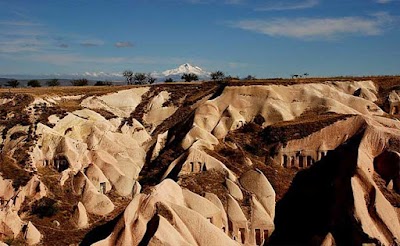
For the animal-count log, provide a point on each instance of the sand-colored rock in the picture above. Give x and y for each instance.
(121, 103)
(11, 223)
(80, 216)
(329, 240)
(6, 189)
(32, 235)
(234, 189)
(156, 113)
(94, 201)
(256, 182)
(198, 161)
(239, 105)
(100, 156)
(182, 218)
(160, 144)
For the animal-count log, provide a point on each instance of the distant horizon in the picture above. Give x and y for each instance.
(262, 38)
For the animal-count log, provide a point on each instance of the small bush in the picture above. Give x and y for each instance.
(53, 82)
(45, 207)
(80, 82)
(218, 76)
(103, 83)
(189, 77)
(13, 83)
(34, 83)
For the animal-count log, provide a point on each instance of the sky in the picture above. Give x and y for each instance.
(264, 38)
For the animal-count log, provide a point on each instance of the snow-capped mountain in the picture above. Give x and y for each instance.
(185, 68)
(117, 77)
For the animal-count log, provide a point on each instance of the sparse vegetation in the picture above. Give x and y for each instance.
(169, 80)
(218, 76)
(103, 83)
(189, 77)
(34, 83)
(140, 78)
(249, 77)
(12, 83)
(45, 207)
(53, 82)
(150, 79)
(80, 82)
(128, 74)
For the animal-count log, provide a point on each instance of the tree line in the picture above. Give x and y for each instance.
(138, 78)
(132, 79)
(32, 83)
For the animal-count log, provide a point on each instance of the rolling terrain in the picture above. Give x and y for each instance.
(311, 161)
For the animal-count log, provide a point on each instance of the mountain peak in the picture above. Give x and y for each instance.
(186, 68)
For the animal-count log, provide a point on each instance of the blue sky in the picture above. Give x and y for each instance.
(263, 38)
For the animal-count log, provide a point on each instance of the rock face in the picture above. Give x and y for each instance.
(32, 235)
(202, 164)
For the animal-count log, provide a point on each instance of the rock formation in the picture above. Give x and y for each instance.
(202, 164)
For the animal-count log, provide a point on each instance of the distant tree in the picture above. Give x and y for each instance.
(168, 80)
(218, 76)
(13, 83)
(80, 82)
(150, 79)
(305, 74)
(139, 78)
(34, 83)
(53, 82)
(249, 77)
(128, 74)
(231, 78)
(295, 76)
(189, 77)
(103, 83)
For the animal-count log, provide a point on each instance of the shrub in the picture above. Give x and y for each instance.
(217, 76)
(13, 83)
(45, 207)
(168, 80)
(80, 82)
(103, 83)
(139, 78)
(128, 74)
(150, 79)
(249, 77)
(189, 77)
(34, 83)
(53, 82)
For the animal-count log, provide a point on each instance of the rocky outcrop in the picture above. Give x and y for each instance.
(90, 159)
(32, 235)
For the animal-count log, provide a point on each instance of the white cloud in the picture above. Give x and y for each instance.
(384, 1)
(317, 28)
(288, 5)
(235, 2)
(101, 74)
(123, 44)
(91, 43)
(19, 23)
(67, 59)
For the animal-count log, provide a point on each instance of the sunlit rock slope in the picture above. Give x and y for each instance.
(242, 163)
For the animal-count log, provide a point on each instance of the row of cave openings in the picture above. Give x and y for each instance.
(261, 236)
(195, 167)
(297, 159)
(242, 235)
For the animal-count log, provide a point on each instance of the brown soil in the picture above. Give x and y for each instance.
(209, 181)
(299, 128)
